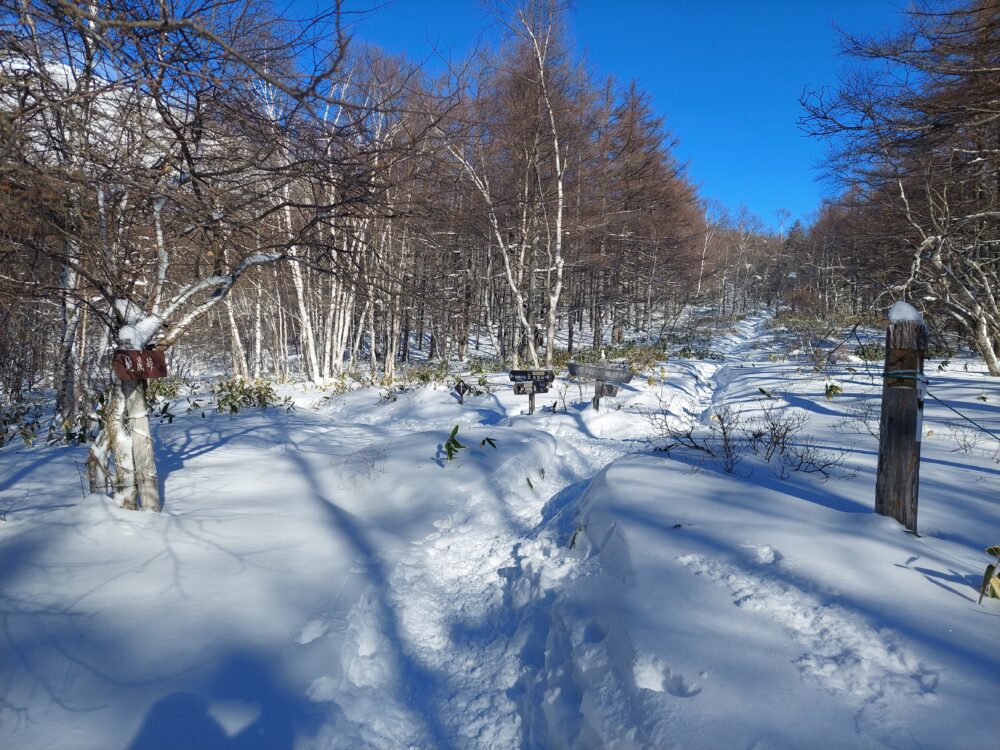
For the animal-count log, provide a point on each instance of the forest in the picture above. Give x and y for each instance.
(286, 292)
(176, 177)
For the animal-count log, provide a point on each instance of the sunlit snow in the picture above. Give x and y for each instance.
(326, 578)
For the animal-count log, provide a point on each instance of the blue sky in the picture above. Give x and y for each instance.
(726, 74)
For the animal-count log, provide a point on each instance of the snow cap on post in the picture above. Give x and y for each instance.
(901, 311)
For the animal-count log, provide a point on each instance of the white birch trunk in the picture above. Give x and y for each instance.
(121, 445)
(239, 353)
(69, 360)
(358, 334)
(145, 479)
(306, 332)
(344, 330)
(258, 332)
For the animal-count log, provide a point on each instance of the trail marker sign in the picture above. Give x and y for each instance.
(606, 377)
(529, 382)
(133, 364)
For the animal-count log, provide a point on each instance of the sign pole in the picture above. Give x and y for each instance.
(901, 423)
(598, 392)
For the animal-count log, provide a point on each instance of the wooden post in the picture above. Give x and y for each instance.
(901, 423)
(598, 392)
(531, 400)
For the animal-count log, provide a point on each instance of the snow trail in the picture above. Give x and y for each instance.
(454, 603)
(865, 667)
(536, 661)
(520, 664)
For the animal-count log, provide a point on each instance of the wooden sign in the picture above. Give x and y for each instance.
(132, 364)
(606, 378)
(614, 373)
(461, 389)
(607, 389)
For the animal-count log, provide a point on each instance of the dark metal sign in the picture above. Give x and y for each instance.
(526, 389)
(461, 388)
(132, 364)
(533, 376)
(529, 382)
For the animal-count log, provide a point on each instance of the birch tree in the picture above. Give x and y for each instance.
(168, 207)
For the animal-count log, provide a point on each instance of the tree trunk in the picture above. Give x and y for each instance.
(987, 346)
(239, 354)
(258, 333)
(67, 395)
(140, 442)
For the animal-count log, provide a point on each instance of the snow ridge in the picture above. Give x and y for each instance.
(578, 685)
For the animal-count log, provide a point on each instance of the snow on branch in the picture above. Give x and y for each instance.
(220, 283)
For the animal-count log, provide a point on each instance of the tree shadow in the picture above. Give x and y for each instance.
(45, 456)
(179, 720)
(420, 687)
(269, 715)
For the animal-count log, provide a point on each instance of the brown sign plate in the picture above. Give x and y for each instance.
(132, 364)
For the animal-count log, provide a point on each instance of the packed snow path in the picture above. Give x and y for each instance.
(326, 578)
(435, 654)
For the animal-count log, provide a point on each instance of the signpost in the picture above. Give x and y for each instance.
(606, 377)
(529, 382)
(132, 364)
(461, 388)
(901, 424)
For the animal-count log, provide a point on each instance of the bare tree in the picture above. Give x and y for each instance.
(918, 138)
(161, 187)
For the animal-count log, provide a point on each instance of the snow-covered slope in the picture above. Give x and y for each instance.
(326, 578)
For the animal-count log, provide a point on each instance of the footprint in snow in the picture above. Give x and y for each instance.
(843, 652)
(594, 633)
(651, 673)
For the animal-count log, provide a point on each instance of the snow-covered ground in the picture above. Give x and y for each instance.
(326, 578)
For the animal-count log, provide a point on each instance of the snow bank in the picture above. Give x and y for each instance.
(711, 599)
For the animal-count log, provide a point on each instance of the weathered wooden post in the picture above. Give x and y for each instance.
(599, 386)
(901, 423)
